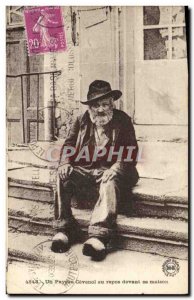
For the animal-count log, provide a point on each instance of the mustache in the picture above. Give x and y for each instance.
(100, 118)
(101, 114)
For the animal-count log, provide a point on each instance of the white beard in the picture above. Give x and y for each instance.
(100, 120)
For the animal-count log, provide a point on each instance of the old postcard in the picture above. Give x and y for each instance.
(97, 150)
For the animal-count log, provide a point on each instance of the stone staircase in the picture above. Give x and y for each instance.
(157, 223)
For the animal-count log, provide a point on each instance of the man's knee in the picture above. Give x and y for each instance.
(67, 185)
(109, 185)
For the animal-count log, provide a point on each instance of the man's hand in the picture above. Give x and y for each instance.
(108, 175)
(64, 171)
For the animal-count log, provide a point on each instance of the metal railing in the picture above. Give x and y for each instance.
(21, 76)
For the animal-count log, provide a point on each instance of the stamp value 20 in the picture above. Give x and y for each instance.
(44, 30)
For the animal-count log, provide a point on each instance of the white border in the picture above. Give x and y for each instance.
(3, 101)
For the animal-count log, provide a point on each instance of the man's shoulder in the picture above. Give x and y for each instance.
(121, 116)
(83, 117)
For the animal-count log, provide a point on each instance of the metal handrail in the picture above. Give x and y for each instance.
(35, 73)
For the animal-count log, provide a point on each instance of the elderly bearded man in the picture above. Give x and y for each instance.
(100, 126)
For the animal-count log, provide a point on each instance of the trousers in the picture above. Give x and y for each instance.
(103, 218)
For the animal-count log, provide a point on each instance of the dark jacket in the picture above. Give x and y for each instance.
(124, 135)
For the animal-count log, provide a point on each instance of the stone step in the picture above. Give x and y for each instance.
(23, 259)
(31, 192)
(151, 197)
(160, 236)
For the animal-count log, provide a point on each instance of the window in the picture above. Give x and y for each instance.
(15, 16)
(164, 32)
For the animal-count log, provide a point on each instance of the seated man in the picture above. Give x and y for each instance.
(103, 138)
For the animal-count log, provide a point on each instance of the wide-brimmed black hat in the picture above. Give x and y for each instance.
(100, 89)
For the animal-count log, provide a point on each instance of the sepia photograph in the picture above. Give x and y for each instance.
(97, 119)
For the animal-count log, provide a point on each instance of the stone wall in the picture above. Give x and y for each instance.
(93, 39)
(106, 43)
(67, 85)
